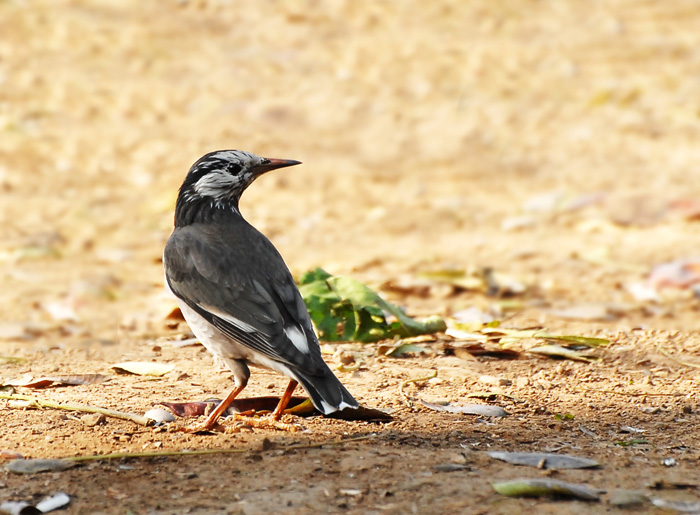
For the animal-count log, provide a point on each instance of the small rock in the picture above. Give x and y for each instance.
(93, 419)
(346, 358)
(625, 498)
(450, 467)
(159, 415)
(495, 381)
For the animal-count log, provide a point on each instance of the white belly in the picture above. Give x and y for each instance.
(224, 348)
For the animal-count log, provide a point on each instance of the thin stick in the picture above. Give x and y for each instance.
(204, 452)
(433, 373)
(671, 356)
(138, 419)
(636, 394)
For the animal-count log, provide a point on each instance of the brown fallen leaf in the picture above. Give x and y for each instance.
(403, 350)
(175, 314)
(473, 350)
(143, 368)
(681, 273)
(558, 351)
(29, 381)
(10, 455)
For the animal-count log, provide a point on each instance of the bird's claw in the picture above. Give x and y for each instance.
(268, 423)
(242, 422)
(203, 428)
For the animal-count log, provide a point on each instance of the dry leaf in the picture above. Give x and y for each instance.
(28, 381)
(40, 465)
(143, 368)
(476, 350)
(557, 351)
(544, 460)
(681, 273)
(175, 314)
(679, 506)
(481, 410)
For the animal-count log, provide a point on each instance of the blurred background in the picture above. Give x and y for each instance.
(553, 141)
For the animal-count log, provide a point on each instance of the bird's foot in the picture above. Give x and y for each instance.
(267, 422)
(241, 423)
(203, 427)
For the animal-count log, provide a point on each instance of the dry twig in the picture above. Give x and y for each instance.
(42, 403)
(407, 399)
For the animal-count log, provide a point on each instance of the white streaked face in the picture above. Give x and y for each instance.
(226, 173)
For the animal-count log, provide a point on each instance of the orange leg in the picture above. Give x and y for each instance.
(210, 422)
(284, 400)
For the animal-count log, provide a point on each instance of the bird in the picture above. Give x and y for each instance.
(235, 290)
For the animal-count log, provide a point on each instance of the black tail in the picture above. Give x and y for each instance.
(326, 392)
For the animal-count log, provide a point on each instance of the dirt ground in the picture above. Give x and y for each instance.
(553, 142)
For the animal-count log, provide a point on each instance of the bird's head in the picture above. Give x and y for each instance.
(218, 179)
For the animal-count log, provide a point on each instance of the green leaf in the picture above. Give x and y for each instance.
(540, 487)
(12, 360)
(317, 274)
(344, 309)
(334, 318)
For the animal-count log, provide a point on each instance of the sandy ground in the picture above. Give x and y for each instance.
(554, 142)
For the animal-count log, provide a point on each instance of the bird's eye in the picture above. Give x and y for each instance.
(233, 168)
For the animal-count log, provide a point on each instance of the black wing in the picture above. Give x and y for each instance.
(238, 282)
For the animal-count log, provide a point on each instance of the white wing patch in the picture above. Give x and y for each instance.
(298, 338)
(230, 319)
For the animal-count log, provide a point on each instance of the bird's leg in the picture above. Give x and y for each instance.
(241, 374)
(272, 422)
(284, 400)
(211, 420)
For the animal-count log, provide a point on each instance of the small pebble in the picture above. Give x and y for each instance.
(159, 415)
(627, 498)
(495, 381)
(93, 419)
